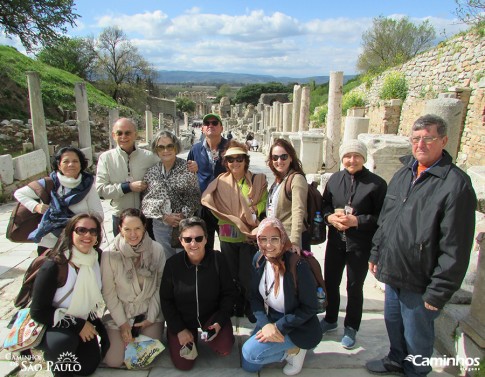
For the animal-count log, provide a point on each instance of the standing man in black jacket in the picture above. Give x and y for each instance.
(422, 247)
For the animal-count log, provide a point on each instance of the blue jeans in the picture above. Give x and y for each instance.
(163, 235)
(256, 354)
(410, 327)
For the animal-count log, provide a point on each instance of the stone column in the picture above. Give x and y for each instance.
(266, 117)
(186, 121)
(287, 114)
(276, 116)
(295, 117)
(304, 121)
(450, 109)
(39, 129)
(311, 152)
(161, 126)
(82, 115)
(149, 126)
(334, 121)
(113, 116)
(383, 153)
(354, 126)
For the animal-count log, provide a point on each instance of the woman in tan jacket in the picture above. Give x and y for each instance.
(131, 272)
(290, 210)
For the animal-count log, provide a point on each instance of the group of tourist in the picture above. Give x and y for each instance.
(161, 268)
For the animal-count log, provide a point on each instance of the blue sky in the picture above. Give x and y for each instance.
(280, 38)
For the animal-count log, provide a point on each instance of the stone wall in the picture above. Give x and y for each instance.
(458, 62)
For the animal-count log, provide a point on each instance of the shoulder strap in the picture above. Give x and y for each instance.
(293, 262)
(289, 180)
(44, 193)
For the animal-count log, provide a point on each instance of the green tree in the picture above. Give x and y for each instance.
(75, 55)
(251, 93)
(471, 12)
(391, 42)
(185, 104)
(119, 63)
(36, 22)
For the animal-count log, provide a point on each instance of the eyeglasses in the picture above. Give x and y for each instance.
(275, 241)
(283, 157)
(230, 159)
(168, 148)
(197, 239)
(83, 231)
(211, 122)
(426, 139)
(121, 133)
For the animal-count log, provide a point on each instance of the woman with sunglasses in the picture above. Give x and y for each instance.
(172, 194)
(285, 305)
(238, 199)
(292, 212)
(72, 191)
(197, 291)
(69, 311)
(131, 272)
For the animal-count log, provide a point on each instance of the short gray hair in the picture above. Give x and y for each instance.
(165, 133)
(191, 222)
(426, 121)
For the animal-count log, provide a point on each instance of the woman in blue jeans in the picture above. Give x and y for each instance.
(287, 324)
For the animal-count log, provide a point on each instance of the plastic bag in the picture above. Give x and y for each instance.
(142, 352)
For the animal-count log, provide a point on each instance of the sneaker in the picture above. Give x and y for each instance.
(384, 366)
(348, 340)
(294, 363)
(327, 327)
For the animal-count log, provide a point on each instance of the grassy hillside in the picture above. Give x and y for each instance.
(57, 87)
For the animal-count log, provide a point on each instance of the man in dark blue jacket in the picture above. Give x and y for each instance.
(422, 247)
(205, 159)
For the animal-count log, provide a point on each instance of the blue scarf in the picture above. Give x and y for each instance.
(55, 218)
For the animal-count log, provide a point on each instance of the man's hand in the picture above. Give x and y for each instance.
(88, 332)
(138, 186)
(338, 221)
(192, 166)
(430, 307)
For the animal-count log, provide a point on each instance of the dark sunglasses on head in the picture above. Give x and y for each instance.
(121, 133)
(283, 157)
(211, 122)
(168, 148)
(82, 231)
(197, 239)
(231, 159)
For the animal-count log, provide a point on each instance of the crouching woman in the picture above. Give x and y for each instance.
(287, 324)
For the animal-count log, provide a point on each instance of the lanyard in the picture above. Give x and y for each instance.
(352, 189)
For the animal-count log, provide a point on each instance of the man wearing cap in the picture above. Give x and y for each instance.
(352, 201)
(120, 170)
(422, 247)
(205, 159)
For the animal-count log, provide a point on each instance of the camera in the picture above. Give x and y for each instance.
(135, 330)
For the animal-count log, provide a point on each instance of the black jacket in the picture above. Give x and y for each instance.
(426, 231)
(366, 194)
(178, 295)
(300, 319)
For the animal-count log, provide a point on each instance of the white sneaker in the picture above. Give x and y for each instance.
(294, 363)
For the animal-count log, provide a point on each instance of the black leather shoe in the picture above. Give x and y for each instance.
(385, 366)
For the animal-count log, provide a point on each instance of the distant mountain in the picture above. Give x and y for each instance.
(178, 77)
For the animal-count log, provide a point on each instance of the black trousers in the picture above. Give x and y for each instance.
(66, 341)
(239, 257)
(212, 226)
(336, 259)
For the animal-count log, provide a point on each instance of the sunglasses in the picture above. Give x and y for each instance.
(230, 159)
(275, 241)
(121, 133)
(168, 148)
(197, 239)
(211, 122)
(283, 157)
(83, 231)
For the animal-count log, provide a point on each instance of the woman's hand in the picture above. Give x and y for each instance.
(185, 337)
(173, 219)
(350, 221)
(143, 324)
(41, 208)
(270, 333)
(296, 249)
(338, 221)
(88, 332)
(192, 166)
(215, 327)
(125, 330)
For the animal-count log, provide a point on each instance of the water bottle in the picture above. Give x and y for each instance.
(321, 299)
(318, 231)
